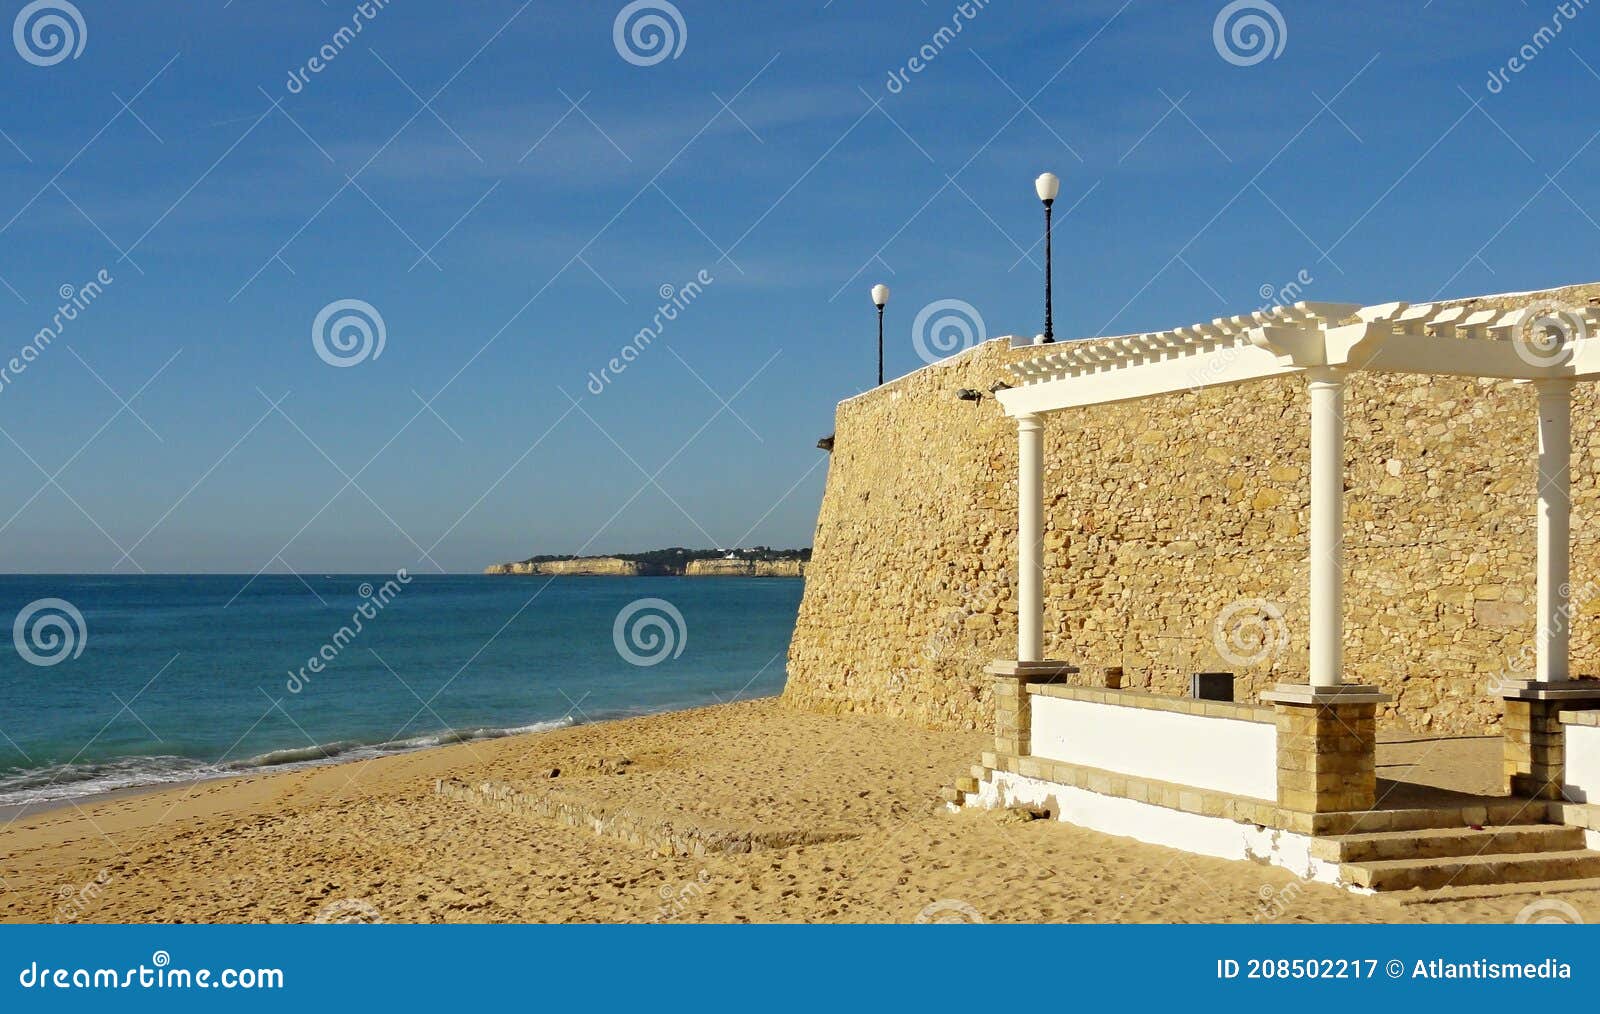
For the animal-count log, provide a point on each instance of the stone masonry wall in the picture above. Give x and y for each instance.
(1163, 514)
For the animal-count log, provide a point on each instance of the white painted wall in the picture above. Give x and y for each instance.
(1226, 754)
(1157, 825)
(1583, 763)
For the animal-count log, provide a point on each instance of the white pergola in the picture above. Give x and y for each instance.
(1309, 339)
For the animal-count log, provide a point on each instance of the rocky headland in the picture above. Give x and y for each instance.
(585, 566)
(745, 568)
(760, 562)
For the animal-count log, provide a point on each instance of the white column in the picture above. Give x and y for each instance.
(1030, 538)
(1555, 528)
(1327, 526)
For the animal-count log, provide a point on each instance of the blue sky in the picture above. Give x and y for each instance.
(511, 195)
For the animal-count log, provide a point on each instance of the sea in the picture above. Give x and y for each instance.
(114, 682)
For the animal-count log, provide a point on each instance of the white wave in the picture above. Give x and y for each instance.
(62, 782)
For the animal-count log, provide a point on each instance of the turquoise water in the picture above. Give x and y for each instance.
(169, 678)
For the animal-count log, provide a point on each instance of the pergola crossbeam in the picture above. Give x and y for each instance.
(1388, 338)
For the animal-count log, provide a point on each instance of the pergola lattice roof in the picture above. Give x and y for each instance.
(1455, 340)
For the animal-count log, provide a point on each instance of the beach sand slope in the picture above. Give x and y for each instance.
(373, 840)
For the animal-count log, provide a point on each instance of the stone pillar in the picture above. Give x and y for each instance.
(1535, 751)
(1013, 707)
(1327, 526)
(1326, 756)
(1327, 729)
(1030, 538)
(1534, 742)
(1555, 529)
(1013, 716)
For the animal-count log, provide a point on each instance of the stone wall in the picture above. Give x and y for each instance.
(1166, 514)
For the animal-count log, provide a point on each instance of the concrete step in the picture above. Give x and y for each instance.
(1479, 892)
(950, 794)
(967, 784)
(981, 773)
(1496, 814)
(1446, 842)
(1463, 871)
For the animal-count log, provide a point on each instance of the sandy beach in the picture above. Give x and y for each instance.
(374, 840)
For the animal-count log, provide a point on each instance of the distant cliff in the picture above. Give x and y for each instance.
(757, 562)
(745, 568)
(587, 566)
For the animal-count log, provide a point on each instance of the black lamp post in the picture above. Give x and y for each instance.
(1047, 186)
(880, 296)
